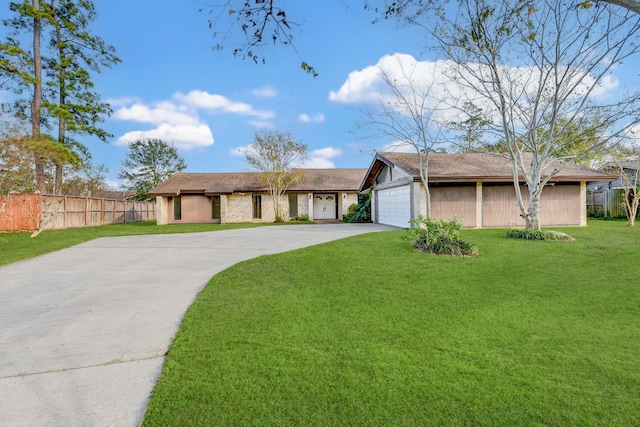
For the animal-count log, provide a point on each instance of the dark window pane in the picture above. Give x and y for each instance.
(293, 205)
(215, 207)
(257, 206)
(177, 208)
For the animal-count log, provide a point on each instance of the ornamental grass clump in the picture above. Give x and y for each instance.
(439, 237)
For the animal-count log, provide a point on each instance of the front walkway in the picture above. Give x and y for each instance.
(84, 331)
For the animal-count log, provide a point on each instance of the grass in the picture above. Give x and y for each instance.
(367, 331)
(18, 246)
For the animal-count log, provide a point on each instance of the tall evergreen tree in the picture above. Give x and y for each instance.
(21, 61)
(67, 61)
(70, 99)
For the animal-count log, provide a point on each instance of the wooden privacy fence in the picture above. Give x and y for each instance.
(29, 212)
(607, 202)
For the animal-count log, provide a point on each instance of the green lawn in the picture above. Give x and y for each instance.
(366, 331)
(18, 246)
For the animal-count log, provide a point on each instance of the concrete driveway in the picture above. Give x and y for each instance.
(84, 331)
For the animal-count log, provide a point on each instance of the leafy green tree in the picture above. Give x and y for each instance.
(75, 52)
(148, 163)
(273, 154)
(58, 74)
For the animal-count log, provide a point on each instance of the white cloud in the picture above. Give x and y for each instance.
(318, 159)
(261, 124)
(265, 92)
(112, 184)
(239, 151)
(399, 147)
(163, 112)
(321, 158)
(437, 80)
(177, 119)
(220, 104)
(305, 118)
(360, 86)
(182, 136)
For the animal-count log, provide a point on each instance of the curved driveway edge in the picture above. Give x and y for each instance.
(84, 331)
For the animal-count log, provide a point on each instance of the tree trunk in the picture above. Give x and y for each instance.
(36, 102)
(632, 201)
(62, 125)
(532, 220)
(427, 200)
(57, 189)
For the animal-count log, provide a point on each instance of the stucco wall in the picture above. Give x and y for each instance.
(196, 209)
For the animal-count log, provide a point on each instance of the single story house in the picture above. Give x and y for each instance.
(321, 194)
(476, 188)
(607, 197)
(629, 168)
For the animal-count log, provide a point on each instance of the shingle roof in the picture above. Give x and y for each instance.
(470, 167)
(328, 180)
(239, 182)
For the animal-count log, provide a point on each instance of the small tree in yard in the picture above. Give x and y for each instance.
(273, 154)
(16, 166)
(148, 163)
(536, 69)
(628, 167)
(409, 112)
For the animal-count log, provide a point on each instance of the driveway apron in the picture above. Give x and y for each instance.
(84, 331)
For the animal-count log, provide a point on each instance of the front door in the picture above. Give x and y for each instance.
(324, 206)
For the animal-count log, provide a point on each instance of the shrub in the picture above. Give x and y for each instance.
(301, 218)
(525, 234)
(439, 237)
(537, 235)
(360, 212)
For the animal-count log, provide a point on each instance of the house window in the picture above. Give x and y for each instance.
(215, 207)
(257, 206)
(177, 208)
(293, 205)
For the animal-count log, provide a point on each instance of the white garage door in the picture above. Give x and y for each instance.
(394, 206)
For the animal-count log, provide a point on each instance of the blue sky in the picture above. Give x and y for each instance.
(172, 85)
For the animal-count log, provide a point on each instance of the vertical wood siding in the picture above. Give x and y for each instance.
(559, 205)
(499, 206)
(454, 202)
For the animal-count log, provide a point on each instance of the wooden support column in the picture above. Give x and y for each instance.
(479, 204)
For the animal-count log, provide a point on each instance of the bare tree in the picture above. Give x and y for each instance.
(536, 69)
(250, 25)
(627, 165)
(410, 111)
(16, 164)
(273, 154)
